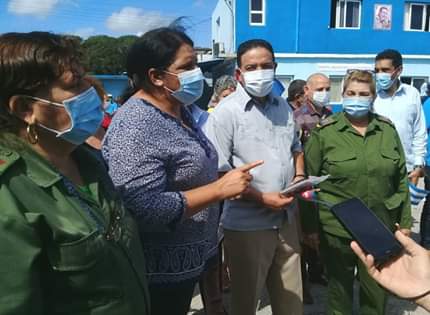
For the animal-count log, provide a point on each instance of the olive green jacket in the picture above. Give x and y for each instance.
(371, 168)
(55, 256)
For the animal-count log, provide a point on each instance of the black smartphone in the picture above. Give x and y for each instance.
(368, 230)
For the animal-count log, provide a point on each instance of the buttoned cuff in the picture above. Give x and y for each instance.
(181, 216)
(297, 148)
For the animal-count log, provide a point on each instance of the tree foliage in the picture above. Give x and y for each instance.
(106, 55)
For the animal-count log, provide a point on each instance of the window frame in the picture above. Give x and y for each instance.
(262, 12)
(337, 15)
(408, 11)
(285, 80)
(413, 79)
(336, 77)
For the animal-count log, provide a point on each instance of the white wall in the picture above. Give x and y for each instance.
(223, 26)
(301, 68)
(335, 68)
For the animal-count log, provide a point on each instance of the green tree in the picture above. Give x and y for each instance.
(123, 45)
(106, 55)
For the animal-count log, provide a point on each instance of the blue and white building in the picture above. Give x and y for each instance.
(328, 36)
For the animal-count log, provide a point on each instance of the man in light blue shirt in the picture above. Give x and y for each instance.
(200, 116)
(425, 215)
(260, 233)
(401, 103)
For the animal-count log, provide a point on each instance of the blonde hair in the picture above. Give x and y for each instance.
(362, 76)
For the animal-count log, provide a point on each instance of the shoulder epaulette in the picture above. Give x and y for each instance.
(384, 119)
(327, 121)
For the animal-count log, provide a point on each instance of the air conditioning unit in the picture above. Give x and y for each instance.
(218, 49)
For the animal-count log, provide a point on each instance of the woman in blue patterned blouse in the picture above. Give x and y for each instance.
(166, 169)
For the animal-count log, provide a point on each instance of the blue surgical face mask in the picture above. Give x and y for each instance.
(191, 86)
(86, 115)
(357, 107)
(384, 81)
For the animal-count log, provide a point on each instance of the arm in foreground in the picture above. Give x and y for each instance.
(407, 276)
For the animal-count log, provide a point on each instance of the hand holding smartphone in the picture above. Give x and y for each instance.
(368, 230)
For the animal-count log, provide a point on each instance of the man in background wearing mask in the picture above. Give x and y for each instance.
(307, 117)
(317, 98)
(401, 103)
(296, 94)
(260, 232)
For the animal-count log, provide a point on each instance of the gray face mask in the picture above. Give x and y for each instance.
(321, 98)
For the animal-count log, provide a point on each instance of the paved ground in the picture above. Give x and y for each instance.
(395, 306)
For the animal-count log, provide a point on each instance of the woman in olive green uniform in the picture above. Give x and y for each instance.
(67, 245)
(364, 157)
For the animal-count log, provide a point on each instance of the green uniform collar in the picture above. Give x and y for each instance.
(41, 172)
(35, 166)
(343, 123)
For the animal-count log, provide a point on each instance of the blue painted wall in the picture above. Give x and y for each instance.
(113, 84)
(280, 28)
(314, 35)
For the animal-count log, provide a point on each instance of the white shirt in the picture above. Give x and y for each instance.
(244, 131)
(405, 111)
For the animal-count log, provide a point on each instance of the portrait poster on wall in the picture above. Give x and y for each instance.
(382, 16)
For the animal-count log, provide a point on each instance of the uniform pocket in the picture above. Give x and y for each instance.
(390, 161)
(86, 270)
(394, 202)
(78, 255)
(342, 163)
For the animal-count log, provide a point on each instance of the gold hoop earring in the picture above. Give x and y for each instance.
(32, 135)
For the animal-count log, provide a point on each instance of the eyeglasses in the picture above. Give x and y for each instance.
(351, 71)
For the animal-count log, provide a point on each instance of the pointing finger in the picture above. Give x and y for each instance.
(250, 166)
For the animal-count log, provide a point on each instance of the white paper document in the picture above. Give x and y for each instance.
(304, 185)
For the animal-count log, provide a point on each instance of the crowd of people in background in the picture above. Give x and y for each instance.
(124, 208)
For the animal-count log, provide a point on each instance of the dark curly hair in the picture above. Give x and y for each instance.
(30, 62)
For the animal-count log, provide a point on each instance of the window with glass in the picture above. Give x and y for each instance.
(257, 10)
(336, 84)
(416, 82)
(285, 81)
(346, 14)
(417, 17)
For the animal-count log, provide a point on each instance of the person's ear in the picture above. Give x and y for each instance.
(306, 89)
(239, 76)
(156, 77)
(400, 70)
(20, 107)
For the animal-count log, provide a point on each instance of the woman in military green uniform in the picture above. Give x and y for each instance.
(67, 245)
(364, 157)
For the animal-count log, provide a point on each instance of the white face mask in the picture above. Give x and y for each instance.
(321, 98)
(259, 83)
